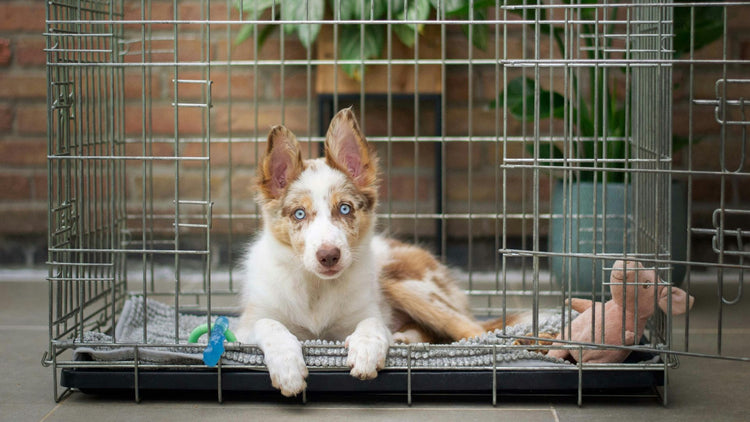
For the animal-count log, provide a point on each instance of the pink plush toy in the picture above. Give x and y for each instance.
(623, 295)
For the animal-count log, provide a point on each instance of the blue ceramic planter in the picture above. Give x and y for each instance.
(592, 221)
(579, 225)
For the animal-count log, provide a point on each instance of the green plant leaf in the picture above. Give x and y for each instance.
(617, 122)
(265, 33)
(351, 48)
(247, 31)
(453, 6)
(308, 33)
(253, 8)
(396, 7)
(551, 104)
(544, 28)
(303, 10)
(244, 33)
(530, 14)
(586, 13)
(345, 9)
(480, 33)
(373, 9)
(405, 34)
(415, 10)
(708, 27)
(462, 7)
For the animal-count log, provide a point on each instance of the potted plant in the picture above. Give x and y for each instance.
(358, 42)
(601, 124)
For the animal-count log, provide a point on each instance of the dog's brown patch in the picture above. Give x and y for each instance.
(416, 284)
(408, 262)
(297, 200)
(280, 231)
(287, 226)
(433, 312)
(359, 220)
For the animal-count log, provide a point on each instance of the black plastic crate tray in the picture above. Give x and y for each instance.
(392, 382)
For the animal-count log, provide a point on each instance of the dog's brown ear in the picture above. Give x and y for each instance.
(281, 164)
(347, 149)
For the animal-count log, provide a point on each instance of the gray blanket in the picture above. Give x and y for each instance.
(318, 353)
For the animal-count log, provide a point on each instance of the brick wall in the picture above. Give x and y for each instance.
(23, 142)
(248, 100)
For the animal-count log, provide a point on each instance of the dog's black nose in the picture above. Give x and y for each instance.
(328, 256)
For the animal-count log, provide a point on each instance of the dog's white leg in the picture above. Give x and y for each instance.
(283, 356)
(368, 347)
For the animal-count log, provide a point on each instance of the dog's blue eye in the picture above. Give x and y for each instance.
(300, 214)
(345, 209)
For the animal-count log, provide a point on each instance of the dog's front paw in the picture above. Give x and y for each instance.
(366, 355)
(288, 372)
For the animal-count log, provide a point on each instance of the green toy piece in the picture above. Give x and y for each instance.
(203, 329)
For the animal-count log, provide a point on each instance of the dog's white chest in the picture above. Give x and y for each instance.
(317, 312)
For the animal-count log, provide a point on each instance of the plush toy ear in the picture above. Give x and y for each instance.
(281, 165)
(679, 299)
(347, 150)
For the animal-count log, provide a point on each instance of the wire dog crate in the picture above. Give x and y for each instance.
(492, 120)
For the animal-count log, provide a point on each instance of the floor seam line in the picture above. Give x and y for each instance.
(554, 413)
(54, 409)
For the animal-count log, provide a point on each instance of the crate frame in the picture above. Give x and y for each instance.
(94, 232)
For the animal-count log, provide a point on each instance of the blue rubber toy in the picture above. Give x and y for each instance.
(215, 348)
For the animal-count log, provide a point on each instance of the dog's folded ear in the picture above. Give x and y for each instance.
(347, 150)
(281, 165)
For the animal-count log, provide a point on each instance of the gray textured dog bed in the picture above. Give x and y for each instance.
(318, 353)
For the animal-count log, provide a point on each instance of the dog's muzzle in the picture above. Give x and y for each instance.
(328, 256)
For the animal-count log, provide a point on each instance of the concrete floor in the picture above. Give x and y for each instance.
(700, 389)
